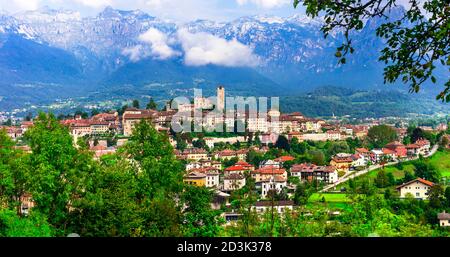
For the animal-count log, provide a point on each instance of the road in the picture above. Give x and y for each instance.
(371, 168)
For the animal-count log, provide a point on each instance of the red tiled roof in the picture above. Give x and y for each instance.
(236, 168)
(362, 150)
(421, 180)
(285, 158)
(269, 170)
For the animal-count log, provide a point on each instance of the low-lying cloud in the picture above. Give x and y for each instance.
(198, 49)
(203, 49)
(159, 44)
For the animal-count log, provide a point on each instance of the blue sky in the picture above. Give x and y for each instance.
(179, 10)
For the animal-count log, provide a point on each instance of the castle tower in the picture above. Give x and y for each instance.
(220, 98)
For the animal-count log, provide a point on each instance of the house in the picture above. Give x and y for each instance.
(444, 219)
(412, 150)
(236, 169)
(131, 116)
(212, 176)
(242, 154)
(359, 160)
(245, 165)
(363, 151)
(279, 206)
(376, 155)
(310, 172)
(195, 178)
(342, 162)
(420, 147)
(226, 154)
(424, 146)
(333, 135)
(388, 154)
(267, 172)
(275, 183)
(295, 134)
(283, 159)
(418, 188)
(99, 127)
(270, 163)
(400, 149)
(195, 154)
(233, 182)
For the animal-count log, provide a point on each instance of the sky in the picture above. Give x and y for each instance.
(177, 10)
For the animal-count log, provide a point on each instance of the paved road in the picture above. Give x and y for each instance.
(371, 168)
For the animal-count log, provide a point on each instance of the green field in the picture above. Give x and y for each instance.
(330, 198)
(441, 160)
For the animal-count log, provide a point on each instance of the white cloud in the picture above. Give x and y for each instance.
(203, 49)
(159, 44)
(265, 3)
(156, 45)
(135, 53)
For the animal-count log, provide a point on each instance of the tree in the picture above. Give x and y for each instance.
(416, 42)
(13, 170)
(60, 173)
(417, 134)
(338, 147)
(29, 117)
(297, 147)
(283, 143)
(381, 135)
(447, 197)
(94, 112)
(302, 193)
(160, 179)
(136, 104)
(201, 220)
(317, 157)
(152, 105)
(408, 176)
(12, 225)
(382, 180)
(426, 171)
(436, 197)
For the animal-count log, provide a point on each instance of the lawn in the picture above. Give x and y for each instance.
(330, 198)
(441, 160)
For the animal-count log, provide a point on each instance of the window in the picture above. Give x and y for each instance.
(417, 194)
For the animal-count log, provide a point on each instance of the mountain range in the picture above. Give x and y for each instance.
(51, 54)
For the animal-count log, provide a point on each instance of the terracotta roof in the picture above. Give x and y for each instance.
(420, 180)
(307, 167)
(236, 168)
(387, 151)
(269, 170)
(342, 159)
(285, 158)
(243, 164)
(362, 150)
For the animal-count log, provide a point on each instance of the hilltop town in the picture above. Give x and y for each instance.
(274, 154)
